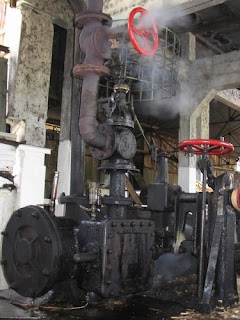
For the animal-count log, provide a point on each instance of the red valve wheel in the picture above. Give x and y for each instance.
(149, 35)
(212, 147)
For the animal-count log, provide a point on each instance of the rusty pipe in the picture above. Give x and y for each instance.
(95, 5)
(93, 42)
(78, 5)
(88, 126)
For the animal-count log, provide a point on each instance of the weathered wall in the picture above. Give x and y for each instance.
(31, 65)
(3, 91)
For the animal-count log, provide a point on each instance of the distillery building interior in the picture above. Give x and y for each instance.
(119, 159)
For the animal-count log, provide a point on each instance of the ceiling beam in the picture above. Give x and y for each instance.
(230, 98)
(226, 25)
(208, 43)
(194, 6)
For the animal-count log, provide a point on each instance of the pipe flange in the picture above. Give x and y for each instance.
(80, 70)
(109, 148)
(121, 87)
(117, 164)
(83, 18)
(33, 250)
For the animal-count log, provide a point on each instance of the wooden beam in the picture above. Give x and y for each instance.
(132, 192)
(209, 44)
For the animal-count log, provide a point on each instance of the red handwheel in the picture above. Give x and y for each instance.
(144, 40)
(210, 146)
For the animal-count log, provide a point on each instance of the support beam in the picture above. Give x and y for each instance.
(195, 6)
(219, 72)
(230, 98)
(208, 43)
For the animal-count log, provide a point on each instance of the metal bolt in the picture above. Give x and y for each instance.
(109, 267)
(114, 224)
(84, 249)
(4, 233)
(4, 262)
(35, 215)
(152, 234)
(132, 224)
(150, 223)
(123, 224)
(109, 251)
(45, 272)
(95, 266)
(141, 224)
(48, 239)
(110, 236)
(108, 282)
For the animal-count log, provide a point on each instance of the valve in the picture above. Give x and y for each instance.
(210, 146)
(149, 35)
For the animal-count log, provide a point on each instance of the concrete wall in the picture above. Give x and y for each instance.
(121, 9)
(30, 62)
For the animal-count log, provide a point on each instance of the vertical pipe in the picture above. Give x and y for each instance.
(95, 5)
(117, 190)
(78, 146)
(117, 183)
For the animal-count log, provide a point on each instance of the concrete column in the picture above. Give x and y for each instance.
(194, 125)
(188, 46)
(28, 89)
(29, 175)
(64, 149)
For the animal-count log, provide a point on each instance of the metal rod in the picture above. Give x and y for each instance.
(54, 192)
(202, 237)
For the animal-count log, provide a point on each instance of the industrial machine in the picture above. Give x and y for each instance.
(113, 247)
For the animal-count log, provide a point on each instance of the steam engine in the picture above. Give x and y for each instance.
(114, 248)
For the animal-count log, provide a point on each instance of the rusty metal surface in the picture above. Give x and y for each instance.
(80, 70)
(93, 42)
(83, 18)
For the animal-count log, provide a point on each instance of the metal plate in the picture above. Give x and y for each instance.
(31, 251)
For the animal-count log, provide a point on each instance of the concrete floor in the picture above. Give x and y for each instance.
(175, 300)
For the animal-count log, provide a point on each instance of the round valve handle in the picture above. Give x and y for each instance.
(210, 146)
(136, 35)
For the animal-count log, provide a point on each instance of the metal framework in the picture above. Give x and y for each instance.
(149, 78)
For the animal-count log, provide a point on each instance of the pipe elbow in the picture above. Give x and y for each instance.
(89, 132)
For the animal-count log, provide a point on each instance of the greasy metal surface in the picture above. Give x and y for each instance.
(124, 262)
(35, 245)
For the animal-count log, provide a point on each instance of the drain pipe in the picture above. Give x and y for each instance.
(94, 43)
